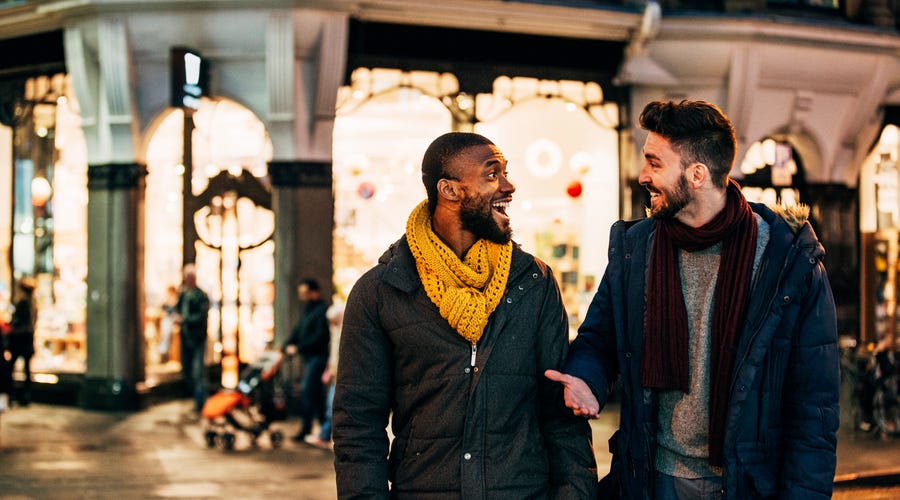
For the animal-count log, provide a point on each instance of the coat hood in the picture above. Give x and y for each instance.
(794, 215)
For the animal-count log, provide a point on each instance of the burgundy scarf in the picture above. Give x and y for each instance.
(665, 358)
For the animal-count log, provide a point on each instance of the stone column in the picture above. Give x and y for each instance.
(304, 221)
(115, 360)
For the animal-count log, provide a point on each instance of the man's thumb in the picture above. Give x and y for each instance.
(555, 376)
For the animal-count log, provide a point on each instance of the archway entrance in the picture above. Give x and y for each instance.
(230, 201)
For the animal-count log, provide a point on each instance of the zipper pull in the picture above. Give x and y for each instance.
(474, 351)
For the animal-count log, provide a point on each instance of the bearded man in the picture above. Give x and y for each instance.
(717, 316)
(447, 338)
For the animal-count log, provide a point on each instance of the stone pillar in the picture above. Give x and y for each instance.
(304, 220)
(115, 340)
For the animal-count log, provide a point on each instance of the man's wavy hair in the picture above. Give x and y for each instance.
(699, 131)
(438, 156)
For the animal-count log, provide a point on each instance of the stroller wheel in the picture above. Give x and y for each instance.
(277, 438)
(227, 440)
(210, 437)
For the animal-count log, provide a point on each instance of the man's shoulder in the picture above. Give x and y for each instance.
(524, 261)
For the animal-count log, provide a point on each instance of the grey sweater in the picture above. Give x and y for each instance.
(683, 434)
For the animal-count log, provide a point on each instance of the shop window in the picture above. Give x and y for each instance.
(559, 137)
(880, 226)
(47, 219)
(772, 174)
(233, 223)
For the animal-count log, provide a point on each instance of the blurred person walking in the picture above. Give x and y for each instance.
(20, 339)
(192, 313)
(310, 338)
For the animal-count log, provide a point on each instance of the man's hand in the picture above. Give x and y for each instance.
(577, 394)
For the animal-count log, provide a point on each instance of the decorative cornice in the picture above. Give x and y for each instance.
(112, 176)
(292, 174)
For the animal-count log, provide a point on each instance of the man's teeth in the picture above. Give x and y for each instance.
(501, 205)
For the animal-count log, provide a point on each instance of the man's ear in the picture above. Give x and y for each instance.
(698, 174)
(448, 189)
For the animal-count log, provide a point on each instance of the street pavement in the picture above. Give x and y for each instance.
(49, 451)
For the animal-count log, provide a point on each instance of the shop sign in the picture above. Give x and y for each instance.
(189, 79)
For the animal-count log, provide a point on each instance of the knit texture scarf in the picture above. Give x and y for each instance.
(665, 362)
(465, 291)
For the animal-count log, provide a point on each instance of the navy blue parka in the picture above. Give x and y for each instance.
(782, 419)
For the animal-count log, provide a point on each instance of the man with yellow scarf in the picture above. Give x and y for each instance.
(448, 337)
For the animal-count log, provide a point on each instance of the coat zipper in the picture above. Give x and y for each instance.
(756, 327)
(474, 352)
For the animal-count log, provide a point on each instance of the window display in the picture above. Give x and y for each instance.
(49, 220)
(234, 225)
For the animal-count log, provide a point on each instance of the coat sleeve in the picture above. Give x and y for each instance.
(316, 335)
(811, 396)
(592, 356)
(573, 467)
(362, 399)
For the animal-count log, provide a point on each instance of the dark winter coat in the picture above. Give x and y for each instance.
(21, 334)
(782, 420)
(193, 306)
(471, 423)
(311, 334)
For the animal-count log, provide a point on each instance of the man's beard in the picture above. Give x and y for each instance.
(674, 200)
(477, 217)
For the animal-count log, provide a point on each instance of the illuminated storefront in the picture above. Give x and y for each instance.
(560, 139)
(234, 223)
(879, 228)
(43, 224)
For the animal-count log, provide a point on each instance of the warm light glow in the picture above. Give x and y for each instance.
(890, 140)
(769, 147)
(40, 191)
(229, 372)
(45, 378)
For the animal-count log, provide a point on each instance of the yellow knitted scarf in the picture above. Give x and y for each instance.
(465, 291)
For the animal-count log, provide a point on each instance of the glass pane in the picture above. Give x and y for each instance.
(378, 148)
(566, 171)
(49, 219)
(234, 254)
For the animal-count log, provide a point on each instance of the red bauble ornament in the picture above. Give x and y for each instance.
(574, 189)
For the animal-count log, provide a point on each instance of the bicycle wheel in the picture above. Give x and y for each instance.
(886, 407)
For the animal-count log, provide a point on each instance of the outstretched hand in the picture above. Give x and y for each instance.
(577, 394)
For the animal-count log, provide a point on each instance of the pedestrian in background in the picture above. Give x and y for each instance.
(6, 367)
(310, 338)
(335, 315)
(192, 312)
(717, 316)
(20, 340)
(447, 338)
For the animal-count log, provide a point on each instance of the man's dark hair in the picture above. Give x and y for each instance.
(438, 156)
(311, 284)
(698, 131)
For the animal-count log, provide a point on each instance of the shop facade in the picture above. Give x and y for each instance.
(306, 132)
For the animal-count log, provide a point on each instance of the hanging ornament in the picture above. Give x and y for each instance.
(574, 189)
(366, 190)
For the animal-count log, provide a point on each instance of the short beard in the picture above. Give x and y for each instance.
(675, 200)
(481, 223)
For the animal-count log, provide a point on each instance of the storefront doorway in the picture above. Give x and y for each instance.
(234, 224)
(560, 139)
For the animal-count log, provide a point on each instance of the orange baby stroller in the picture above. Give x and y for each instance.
(250, 408)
